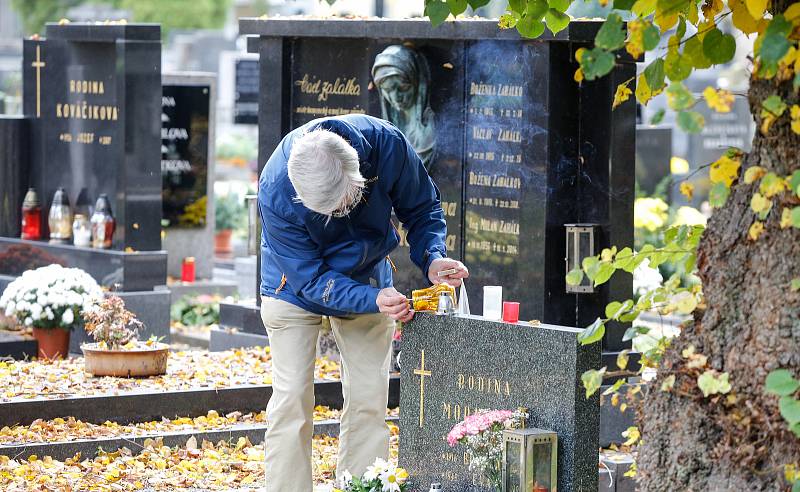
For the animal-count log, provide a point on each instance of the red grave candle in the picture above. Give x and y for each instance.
(188, 269)
(31, 216)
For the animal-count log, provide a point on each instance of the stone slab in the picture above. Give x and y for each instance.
(243, 315)
(16, 346)
(145, 405)
(117, 270)
(179, 290)
(152, 309)
(62, 450)
(615, 465)
(227, 338)
(613, 421)
(473, 363)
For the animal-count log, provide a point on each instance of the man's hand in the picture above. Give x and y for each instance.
(443, 264)
(394, 304)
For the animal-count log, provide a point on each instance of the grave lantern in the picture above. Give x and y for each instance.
(529, 460)
(580, 245)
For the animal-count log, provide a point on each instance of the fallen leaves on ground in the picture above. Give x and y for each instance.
(70, 429)
(209, 466)
(185, 370)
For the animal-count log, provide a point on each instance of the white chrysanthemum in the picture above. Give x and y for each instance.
(68, 317)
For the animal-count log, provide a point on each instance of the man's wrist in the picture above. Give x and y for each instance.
(432, 256)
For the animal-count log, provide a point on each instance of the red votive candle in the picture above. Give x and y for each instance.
(187, 270)
(510, 312)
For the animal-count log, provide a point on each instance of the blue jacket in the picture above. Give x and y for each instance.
(337, 267)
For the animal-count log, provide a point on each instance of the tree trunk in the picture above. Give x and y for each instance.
(751, 326)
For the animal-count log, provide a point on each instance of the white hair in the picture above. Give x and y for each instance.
(324, 170)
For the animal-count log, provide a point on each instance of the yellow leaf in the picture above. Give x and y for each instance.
(756, 8)
(759, 203)
(643, 92)
(579, 54)
(635, 43)
(632, 434)
(622, 95)
(687, 190)
(753, 174)
(741, 17)
(771, 185)
(711, 8)
(719, 100)
(578, 75)
(766, 123)
(724, 170)
(786, 218)
(792, 14)
(795, 115)
(755, 230)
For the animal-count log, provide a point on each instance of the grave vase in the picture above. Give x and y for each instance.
(53, 342)
(222, 242)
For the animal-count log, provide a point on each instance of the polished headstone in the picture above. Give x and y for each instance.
(187, 170)
(93, 93)
(471, 363)
(14, 141)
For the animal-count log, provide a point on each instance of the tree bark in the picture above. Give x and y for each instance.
(751, 325)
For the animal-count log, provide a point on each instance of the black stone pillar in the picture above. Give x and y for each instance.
(13, 172)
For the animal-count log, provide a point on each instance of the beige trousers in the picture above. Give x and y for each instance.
(364, 342)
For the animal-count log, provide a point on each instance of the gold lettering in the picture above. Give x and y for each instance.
(58, 110)
(480, 383)
(508, 389)
(460, 381)
(102, 89)
(446, 411)
(72, 86)
(497, 386)
(471, 383)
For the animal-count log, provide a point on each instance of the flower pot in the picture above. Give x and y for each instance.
(53, 342)
(142, 361)
(222, 242)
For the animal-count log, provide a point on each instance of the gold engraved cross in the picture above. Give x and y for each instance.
(421, 372)
(38, 65)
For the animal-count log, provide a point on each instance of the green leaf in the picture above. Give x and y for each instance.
(658, 117)
(651, 37)
(517, 6)
(779, 25)
(643, 8)
(476, 4)
(773, 47)
(718, 195)
(530, 27)
(596, 62)
(575, 276)
(556, 21)
(691, 121)
(592, 379)
(654, 75)
(794, 183)
(612, 308)
(719, 47)
(677, 66)
(775, 105)
(794, 216)
(795, 285)
(457, 6)
(611, 35)
(436, 11)
(622, 359)
(614, 387)
(796, 484)
(790, 409)
(711, 383)
(694, 50)
(590, 264)
(626, 260)
(631, 332)
(560, 5)
(679, 97)
(604, 272)
(593, 332)
(537, 9)
(780, 382)
(623, 4)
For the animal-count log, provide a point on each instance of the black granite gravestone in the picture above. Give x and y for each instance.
(453, 366)
(14, 134)
(245, 105)
(517, 147)
(93, 93)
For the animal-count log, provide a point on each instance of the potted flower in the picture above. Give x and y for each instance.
(482, 434)
(381, 476)
(117, 350)
(228, 215)
(50, 299)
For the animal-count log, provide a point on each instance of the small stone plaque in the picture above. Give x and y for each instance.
(453, 366)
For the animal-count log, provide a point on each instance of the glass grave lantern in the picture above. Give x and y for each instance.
(529, 460)
(581, 243)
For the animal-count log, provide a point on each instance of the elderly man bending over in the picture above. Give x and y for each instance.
(325, 198)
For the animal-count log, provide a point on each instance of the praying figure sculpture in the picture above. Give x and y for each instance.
(403, 80)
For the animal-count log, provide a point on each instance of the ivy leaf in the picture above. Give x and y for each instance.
(592, 379)
(437, 12)
(658, 117)
(575, 276)
(691, 121)
(679, 97)
(654, 74)
(711, 383)
(593, 332)
(457, 6)
(780, 382)
(790, 409)
(530, 27)
(719, 47)
(476, 4)
(611, 36)
(596, 62)
(718, 195)
(556, 21)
